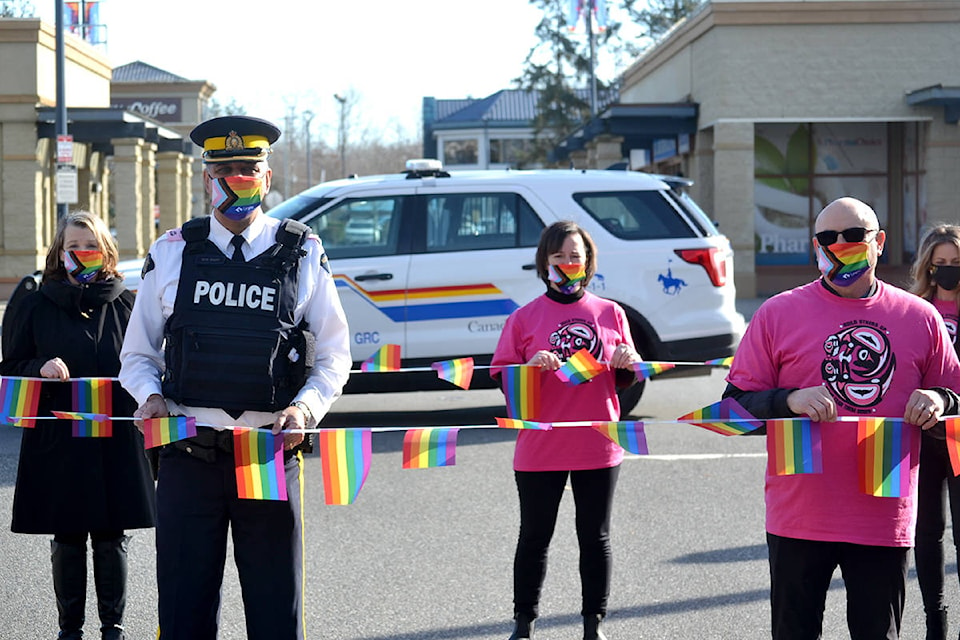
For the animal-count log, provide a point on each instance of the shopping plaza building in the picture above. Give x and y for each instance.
(772, 108)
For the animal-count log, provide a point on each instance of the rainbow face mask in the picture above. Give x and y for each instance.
(843, 263)
(567, 277)
(83, 265)
(236, 196)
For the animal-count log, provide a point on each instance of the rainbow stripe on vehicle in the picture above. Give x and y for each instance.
(434, 303)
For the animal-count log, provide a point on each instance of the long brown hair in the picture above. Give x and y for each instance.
(54, 270)
(551, 241)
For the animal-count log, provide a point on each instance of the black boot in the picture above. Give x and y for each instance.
(523, 629)
(591, 627)
(110, 578)
(70, 586)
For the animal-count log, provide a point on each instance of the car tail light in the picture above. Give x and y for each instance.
(711, 259)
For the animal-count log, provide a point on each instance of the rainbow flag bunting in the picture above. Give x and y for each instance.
(93, 396)
(884, 451)
(345, 460)
(796, 446)
(953, 443)
(629, 434)
(646, 370)
(458, 371)
(387, 358)
(76, 415)
(580, 367)
(160, 431)
(432, 447)
(721, 362)
(726, 417)
(258, 458)
(21, 396)
(511, 423)
(521, 388)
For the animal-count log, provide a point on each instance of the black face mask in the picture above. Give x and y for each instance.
(946, 276)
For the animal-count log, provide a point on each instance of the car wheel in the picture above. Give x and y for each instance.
(630, 396)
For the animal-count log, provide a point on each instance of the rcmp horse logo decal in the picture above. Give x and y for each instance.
(671, 286)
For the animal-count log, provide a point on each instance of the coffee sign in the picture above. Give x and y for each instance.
(162, 110)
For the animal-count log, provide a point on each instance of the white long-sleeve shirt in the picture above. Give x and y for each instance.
(142, 359)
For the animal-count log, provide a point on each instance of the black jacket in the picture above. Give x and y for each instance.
(67, 484)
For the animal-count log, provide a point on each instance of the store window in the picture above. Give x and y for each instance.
(512, 151)
(801, 167)
(463, 151)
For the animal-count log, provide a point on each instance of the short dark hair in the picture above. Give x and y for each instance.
(551, 241)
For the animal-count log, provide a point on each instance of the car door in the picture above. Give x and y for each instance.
(367, 244)
(470, 268)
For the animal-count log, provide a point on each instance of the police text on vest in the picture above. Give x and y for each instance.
(228, 294)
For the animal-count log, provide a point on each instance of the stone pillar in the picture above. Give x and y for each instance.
(733, 161)
(198, 195)
(148, 191)
(604, 151)
(187, 194)
(169, 184)
(128, 196)
(23, 216)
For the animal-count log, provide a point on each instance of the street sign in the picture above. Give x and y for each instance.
(65, 149)
(67, 184)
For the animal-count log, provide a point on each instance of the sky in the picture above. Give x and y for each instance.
(271, 55)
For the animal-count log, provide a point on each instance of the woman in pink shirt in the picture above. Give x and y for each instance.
(544, 333)
(936, 275)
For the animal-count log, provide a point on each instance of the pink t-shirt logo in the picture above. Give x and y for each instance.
(859, 364)
(572, 336)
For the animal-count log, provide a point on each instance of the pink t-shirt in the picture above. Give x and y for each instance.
(948, 310)
(594, 323)
(871, 353)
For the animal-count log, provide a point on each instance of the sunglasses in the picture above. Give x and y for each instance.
(853, 234)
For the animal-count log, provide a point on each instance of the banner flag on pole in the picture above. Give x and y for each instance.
(726, 417)
(580, 367)
(345, 460)
(430, 447)
(459, 371)
(21, 397)
(258, 457)
(629, 434)
(884, 452)
(160, 431)
(93, 395)
(387, 358)
(796, 446)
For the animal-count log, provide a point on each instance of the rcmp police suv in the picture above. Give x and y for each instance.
(436, 261)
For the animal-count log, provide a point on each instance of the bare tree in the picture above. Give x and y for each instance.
(17, 9)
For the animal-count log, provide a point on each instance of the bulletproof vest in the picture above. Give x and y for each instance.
(231, 341)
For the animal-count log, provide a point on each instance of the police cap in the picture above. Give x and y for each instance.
(235, 138)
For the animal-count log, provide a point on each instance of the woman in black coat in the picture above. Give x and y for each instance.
(72, 327)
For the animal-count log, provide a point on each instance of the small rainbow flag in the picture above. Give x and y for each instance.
(726, 417)
(511, 423)
(21, 396)
(387, 358)
(258, 458)
(953, 443)
(76, 415)
(160, 431)
(432, 447)
(459, 371)
(721, 362)
(646, 370)
(580, 367)
(884, 450)
(521, 388)
(345, 460)
(629, 434)
(93, 395)
(796, 446)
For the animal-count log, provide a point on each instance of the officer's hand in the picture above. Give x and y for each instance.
(290, 418)
(924, 408)
(55, 368)
(154, 407)
(814, 402)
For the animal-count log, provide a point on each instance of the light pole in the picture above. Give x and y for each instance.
(307, 119)
(61, 112)
(342, 134)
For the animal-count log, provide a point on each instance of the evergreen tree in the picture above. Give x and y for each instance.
(17, 9)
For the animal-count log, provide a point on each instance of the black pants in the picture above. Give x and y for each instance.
(936, 481)
(540, 493)
(196, 502)
(800, 572)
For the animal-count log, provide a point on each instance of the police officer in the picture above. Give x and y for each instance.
(237, 322)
